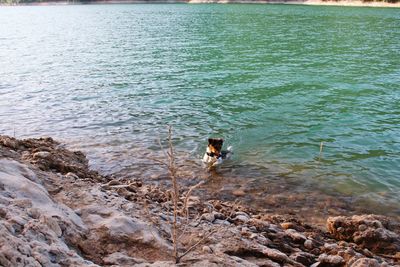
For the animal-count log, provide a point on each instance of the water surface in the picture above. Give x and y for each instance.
(274, 80)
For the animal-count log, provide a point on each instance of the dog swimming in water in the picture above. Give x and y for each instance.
(214, 154)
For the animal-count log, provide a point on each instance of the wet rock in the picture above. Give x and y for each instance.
(238, 193)
(377, 233)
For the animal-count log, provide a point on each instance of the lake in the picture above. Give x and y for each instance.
(275, 81)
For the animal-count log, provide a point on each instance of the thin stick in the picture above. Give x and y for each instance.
(186, 208)
(172, 173)
(321, 146)
(195, 245)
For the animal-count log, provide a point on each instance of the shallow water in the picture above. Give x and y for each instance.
(274, 80)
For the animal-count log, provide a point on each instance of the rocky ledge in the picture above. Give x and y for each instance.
(54, 211)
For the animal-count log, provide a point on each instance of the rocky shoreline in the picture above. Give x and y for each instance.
(55, 211)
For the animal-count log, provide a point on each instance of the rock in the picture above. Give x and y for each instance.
(377, 232)
(238, 193)
(330, 246)
(208, 217)
(276, 255)
(41, 155)
(9, 142)
(224, 222)
(218, 215)
(295, 236)
(308, 244)
(72, 175)
(366, 262)
(206, 249)
(242, 218)
(120, 259)
(113, 182)
(303, 257)
(331, 260)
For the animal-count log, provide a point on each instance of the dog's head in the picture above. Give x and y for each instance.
(215, 146)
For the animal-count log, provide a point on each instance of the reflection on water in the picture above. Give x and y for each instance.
(274, 80)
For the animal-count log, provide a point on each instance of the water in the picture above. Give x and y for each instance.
(274, 80)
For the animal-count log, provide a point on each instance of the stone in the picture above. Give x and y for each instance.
(224, 222)
(330, 260)
(366, 262)
(377, 232)
(120, 259)
(208, 217)
(242, 218)
(72, 175)
(295, 236)
(238, 193)
(206, 249)
(304, 258)
(41, 155)
(275, 255)
(308, 244)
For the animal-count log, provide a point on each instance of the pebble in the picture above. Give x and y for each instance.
(308, 244)
(206, 249)
(362, 227)
(207, 217)
(332, 260)
(330, 247)
(275, 255)
(218, 215)
(296, 236)
(242, 218)
(224, 222)
(41, 154)
(72, 175)
(287, 225)
(238, 193)
(364, 262)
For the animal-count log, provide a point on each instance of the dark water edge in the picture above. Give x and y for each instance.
(274, 193)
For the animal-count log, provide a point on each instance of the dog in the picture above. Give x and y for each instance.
(214, 154)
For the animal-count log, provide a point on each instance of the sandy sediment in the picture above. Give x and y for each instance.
(55, 211)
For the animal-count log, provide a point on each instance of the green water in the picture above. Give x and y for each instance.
(274, 80)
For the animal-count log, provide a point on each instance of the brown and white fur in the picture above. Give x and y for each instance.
(214, 154)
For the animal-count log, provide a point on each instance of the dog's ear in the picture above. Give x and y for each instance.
(216, 142)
